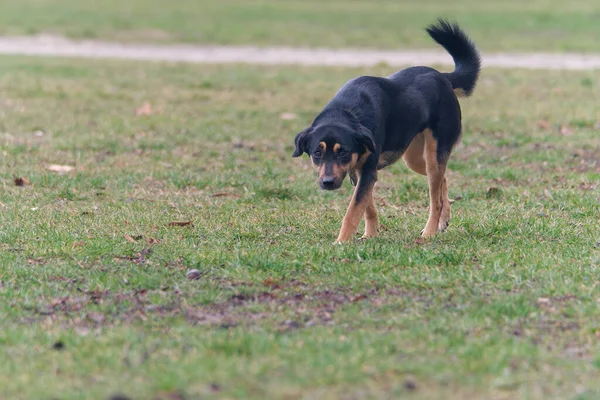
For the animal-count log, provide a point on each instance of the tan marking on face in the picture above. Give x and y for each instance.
(321, 170)
(323, 146)
(336, 147)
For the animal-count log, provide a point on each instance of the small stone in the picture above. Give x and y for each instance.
(193, 274)
(119, 396)
(58, 345)
(410, 384)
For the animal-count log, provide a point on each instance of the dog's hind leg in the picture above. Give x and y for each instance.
(445, 214)
(414, 157)
(435, 176)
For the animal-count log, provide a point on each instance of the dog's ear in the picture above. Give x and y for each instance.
(301, 141)
(365, 137)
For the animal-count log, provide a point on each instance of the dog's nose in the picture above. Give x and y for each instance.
(328, 181)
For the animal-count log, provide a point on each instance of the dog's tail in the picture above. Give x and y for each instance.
(466, 57)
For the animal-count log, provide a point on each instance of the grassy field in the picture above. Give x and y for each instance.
(511, 25)
(94, 299)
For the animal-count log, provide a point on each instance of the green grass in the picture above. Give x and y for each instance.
(513, 25)
(502, 305)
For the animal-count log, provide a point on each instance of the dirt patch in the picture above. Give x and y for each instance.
(290, 304)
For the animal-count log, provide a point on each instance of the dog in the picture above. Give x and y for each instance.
(371, 122)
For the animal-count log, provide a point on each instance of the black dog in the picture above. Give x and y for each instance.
(372, 122)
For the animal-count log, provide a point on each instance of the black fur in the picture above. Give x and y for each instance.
(379, 115)
(463, 52)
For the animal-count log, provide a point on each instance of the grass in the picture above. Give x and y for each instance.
(94, 297)
(495, 25)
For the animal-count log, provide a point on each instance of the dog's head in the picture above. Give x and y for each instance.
(334, 150)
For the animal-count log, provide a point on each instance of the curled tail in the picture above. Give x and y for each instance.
(466, 57)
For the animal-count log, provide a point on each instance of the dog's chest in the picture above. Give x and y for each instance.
(387, 158)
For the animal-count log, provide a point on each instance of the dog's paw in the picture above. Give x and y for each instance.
(443, 225)
(426, 234)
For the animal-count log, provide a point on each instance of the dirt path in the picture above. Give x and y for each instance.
(44, 45)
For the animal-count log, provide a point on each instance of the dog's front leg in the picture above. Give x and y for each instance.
(361, 204)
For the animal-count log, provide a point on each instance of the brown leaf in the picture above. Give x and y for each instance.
(270, 282)
(77, 244)
(565, 130)
(129, 239)
(96, 317)
(419, 240)
(61, 169)
(22, 181)
(543, 124)
(180, 223)
(288, 116)
(225, 194)
(152, 241)
(144, 109)
(359, 298)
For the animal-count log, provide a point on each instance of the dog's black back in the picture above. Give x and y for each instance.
(371, 122)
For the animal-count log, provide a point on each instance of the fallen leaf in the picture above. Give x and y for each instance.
(96, 317)
(144, 109)
(224, 194)
(359, 298)
(270, 282)
(22, 181)
(61, 169)
(288, 116)
(129, 239)
(543, 124)
(565, 130)
(152, 241)
(543, 300)
(180, 223)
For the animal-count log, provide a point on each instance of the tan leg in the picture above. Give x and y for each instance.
(435, 177)
(354, 214)
(371, 220)
(445, 214)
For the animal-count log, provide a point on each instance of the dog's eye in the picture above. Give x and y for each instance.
(317, 154)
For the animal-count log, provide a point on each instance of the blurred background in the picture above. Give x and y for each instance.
(507, 25)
